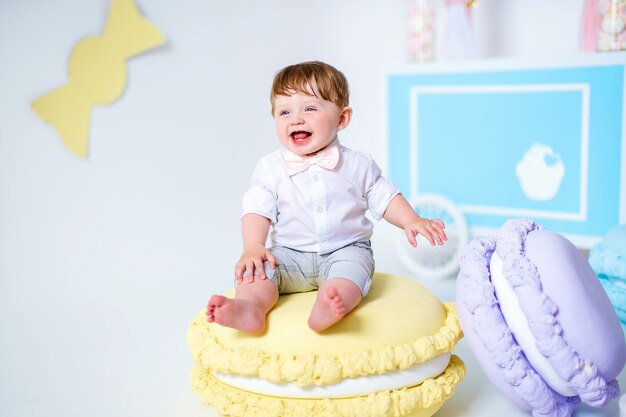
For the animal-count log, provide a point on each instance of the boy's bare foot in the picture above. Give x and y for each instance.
(240, 314)
(329, 308)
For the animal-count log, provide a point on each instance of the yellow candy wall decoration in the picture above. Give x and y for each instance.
(97, 73)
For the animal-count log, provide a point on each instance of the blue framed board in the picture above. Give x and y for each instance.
(502, 140)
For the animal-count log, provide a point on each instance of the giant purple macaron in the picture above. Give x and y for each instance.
(538, 320)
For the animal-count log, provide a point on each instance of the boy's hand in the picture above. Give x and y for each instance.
(251, 260)
(430, 229)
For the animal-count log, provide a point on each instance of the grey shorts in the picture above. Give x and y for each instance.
(304, 271)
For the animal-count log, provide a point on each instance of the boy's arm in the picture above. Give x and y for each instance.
(254, 231)
(400, 213)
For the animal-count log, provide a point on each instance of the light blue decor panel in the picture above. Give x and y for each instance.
(544, 143)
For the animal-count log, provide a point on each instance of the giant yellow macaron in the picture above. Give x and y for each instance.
(390, 357)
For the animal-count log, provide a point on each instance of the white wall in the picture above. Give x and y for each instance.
(104, 261)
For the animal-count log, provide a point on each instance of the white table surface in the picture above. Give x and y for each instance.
(118, 349)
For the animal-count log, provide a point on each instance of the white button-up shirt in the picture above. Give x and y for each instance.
(319, 210)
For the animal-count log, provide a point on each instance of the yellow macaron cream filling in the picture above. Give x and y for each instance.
(422, 400)
(346, 388)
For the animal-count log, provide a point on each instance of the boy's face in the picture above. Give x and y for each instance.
(306, 123)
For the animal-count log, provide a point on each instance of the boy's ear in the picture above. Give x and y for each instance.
(345, 117)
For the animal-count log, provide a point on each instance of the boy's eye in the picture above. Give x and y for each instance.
(283, 112)
(310, 108)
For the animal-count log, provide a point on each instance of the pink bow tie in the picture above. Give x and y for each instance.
(327, 158)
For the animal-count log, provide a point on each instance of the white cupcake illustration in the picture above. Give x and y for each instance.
(540, 172)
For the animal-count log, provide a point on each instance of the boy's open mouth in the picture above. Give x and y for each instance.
(300, 136)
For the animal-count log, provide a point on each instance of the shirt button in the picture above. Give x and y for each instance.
(315, 177)
(323, 238)
(320, 209)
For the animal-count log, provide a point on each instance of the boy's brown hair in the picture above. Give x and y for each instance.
(331, 83)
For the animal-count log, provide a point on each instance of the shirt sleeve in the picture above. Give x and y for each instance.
(379, 190)
(260, 198)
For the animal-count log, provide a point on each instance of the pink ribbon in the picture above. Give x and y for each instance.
(327, 158)
(589, 25)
